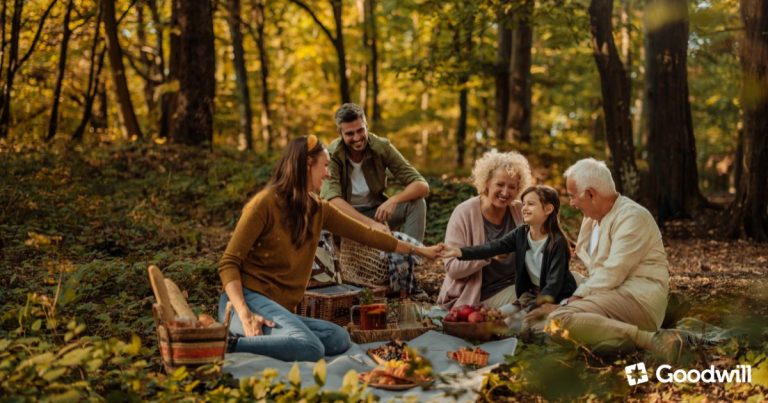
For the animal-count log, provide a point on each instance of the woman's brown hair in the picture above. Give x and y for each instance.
(290, 182)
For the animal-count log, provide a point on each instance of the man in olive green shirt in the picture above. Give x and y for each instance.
(359, 161)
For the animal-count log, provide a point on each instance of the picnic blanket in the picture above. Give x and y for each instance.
(453, 381)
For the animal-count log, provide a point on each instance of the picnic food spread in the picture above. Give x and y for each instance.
(394, 350)
(470, 356)
(395, 375)
(475, 322)
(473, 314)
(400, 374)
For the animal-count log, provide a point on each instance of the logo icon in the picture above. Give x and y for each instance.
(636, 373)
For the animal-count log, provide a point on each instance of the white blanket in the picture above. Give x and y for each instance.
(452, 379)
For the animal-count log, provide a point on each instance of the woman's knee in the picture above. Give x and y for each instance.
(338, 341)
(307, 350)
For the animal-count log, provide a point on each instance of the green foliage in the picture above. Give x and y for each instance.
(566, 373)
(90, 368)
(366, 296)
(444, 196)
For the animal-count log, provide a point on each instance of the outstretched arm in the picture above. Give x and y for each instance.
(347, 209)
(505, 244)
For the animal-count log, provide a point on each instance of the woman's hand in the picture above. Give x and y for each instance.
(429, 252)
(253, 322)
(450, 251)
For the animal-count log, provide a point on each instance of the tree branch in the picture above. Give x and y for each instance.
(317, 20)
(37, 35)
(143, 74)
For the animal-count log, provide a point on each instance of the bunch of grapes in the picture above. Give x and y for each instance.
(491, 314)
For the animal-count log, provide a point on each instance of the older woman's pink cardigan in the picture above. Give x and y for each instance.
(463, 279)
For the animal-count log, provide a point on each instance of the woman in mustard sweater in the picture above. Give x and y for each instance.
(267, 264)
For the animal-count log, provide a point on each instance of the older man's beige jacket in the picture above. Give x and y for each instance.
(629, 255)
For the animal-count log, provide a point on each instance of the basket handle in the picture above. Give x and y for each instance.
(228, 315)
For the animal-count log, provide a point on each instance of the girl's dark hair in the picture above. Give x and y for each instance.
(290, 182)
(548, 195)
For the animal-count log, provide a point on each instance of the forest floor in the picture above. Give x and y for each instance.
(78, 229)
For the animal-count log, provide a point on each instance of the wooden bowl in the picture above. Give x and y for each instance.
(482, 331)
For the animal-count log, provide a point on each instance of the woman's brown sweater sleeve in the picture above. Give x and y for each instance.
(343, 225)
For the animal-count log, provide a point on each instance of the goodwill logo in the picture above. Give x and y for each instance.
(637, 374)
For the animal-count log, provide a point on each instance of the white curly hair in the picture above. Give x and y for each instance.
(514, 163)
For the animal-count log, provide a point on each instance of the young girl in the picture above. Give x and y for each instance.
(542, 252)
(268, 260)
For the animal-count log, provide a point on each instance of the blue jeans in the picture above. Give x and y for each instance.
(294, 337)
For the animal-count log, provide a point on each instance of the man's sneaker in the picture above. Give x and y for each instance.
(668, 345)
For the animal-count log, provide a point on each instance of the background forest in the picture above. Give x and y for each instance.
(132, 132)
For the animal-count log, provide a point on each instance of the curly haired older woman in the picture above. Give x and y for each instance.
(499, 179)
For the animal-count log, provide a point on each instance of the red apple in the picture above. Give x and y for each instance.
(451, 317)
(476, 317)
(463, 312)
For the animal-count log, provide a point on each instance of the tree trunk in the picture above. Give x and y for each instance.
(422, 148)
(626, 36)
(363, 22)
(615, 88)
(266, 119)
(148, 63)
(337, 41)
(192, 120)
(3, 45)
(750, 209)
(674, 190)
(340, 52)
(519, 124)
(241, 76)
(115, 53)
(167, 96)
(66, 34)
(503, 76)
(15, 62)
(376, 114)
(461, 130)
(94, 75)
(464, 49)
(10, 73)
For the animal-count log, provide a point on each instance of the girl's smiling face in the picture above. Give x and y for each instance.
(534, 213)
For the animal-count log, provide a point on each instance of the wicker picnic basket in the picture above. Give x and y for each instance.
(333, 303)
(362, 264)
(482, 331)
(390, 333)
(190, 346)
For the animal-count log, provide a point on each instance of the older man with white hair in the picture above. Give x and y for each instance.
(621, 304)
